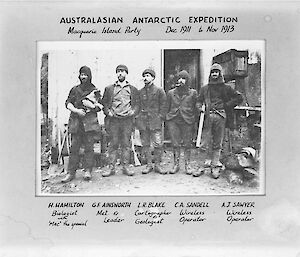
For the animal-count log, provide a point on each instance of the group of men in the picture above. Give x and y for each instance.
(127, 108)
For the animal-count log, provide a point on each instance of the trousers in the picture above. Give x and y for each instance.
(77, 140)
(153, 137)
(120, 130)
(180, 131)
(216, 127)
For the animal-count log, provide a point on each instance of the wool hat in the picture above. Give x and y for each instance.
(216, 66)
(86, 70)
(149, 71)
(184, 74)
(220, 79)
(122, 67)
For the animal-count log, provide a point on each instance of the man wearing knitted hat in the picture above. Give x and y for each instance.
(219, 100)
(83, 123)
(121, 104)
(149, 120)
(182, 109)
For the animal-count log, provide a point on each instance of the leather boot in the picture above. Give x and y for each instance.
(149, 166)
(215, 172)
(207, 163)
(216, 158)
(199, 171)
(216, 165)
(87, 175)
(69, 177)
(127, 171)
(176, 166)
(112, 165)
(125, 168)
(110, 172)
(157, 158)
(187, 159)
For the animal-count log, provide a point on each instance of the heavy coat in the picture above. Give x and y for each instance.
(185, 104)
(90, 120)
(108, 95)
(153, 108)
(230, 97)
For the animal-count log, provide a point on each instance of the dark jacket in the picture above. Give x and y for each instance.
(230, 97)
(108, 95)
(186, 104)
(152, 108)
(90, 120)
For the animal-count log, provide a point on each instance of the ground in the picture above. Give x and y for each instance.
(153, 183)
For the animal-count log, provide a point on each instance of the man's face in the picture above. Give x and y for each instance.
(83, 77)
(121, 74)
(181, 81)
(215, 74)
(147, 78)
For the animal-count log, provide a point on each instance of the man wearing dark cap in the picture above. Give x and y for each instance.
(83, 123)
(219, 100)
(182, 109)
(149, 120)
(121, 104)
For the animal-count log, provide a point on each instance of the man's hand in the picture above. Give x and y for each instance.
(163, 117)
(73, 109)
(100, 106)
(81, 112)
(131, 113)
(110, 113)
(88, 104)
(200, 109)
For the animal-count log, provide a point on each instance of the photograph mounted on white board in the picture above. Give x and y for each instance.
(151, 118)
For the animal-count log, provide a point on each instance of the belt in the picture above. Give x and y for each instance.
(216, 111)
(219, 112)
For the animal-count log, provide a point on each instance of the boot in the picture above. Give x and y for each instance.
(149, 166)
(125, 168)
(199, 171)
(127, 171)
(112, 165)
(207, 163)
(215, 172)
(69, 177)
(216, 158)
(110, 172)
(176, 166)
(157, 157)
(187, 159)
(87, 175)
(216, 165)
(201, 168)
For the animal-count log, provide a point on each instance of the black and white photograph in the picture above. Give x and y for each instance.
(149, 128)
(156, 118)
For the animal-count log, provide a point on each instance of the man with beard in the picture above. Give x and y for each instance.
(83, 123)
(121, 105)
(149, 120)
(219, 100)
(182, 110)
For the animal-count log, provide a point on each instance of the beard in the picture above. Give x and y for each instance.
(180, 84)
(215, 76)
(84, 80)
(147, 82)
(121, 78)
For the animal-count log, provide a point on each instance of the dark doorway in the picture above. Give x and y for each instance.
(176, 60)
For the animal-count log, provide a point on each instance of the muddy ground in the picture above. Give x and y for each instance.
(153, 183)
